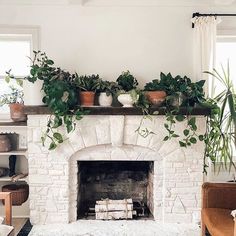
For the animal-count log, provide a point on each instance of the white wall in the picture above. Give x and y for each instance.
(108, 40)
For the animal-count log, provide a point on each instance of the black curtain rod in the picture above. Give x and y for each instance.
(197, 14)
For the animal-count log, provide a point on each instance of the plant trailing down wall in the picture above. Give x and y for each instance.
(60, 97)
(182, 92)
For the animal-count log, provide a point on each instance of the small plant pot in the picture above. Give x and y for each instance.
(104, 100)
(126, 100)
(5, 143)
(17, 112)
(87, 98)
(156, 97)
(176, 100)
(20, 193)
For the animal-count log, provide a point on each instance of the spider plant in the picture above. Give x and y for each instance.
(220, 138)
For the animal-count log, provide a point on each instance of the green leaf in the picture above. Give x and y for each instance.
(52, 146)
(186, 132)
(175, 135)
(43, 139)
(7, 79)
(201, 137)
(193, 140)
(182, 144)
(166, 138)
(179, 118)
(192, 121)
(58, 137)
(166, 126)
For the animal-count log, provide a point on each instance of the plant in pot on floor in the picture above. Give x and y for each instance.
(106, 89)
(127, 96)
(15, 101)
(87, 85)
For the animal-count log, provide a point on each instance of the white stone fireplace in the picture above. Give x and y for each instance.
(174, 185)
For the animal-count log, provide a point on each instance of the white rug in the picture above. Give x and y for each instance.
(116, 228)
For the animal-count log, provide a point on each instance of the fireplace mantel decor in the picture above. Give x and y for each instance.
(53, 175)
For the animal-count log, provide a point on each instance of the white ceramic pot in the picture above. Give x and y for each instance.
(104, 100)
(33, 93)
(126, 100)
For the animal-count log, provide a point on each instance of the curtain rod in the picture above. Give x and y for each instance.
(197, 14)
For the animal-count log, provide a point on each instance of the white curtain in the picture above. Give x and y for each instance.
(205, 49)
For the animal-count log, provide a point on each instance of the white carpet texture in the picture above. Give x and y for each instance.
(116, 228)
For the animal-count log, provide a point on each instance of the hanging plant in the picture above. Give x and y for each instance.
(60, 97)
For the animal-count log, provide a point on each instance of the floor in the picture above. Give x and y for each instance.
(116, 228)
(18, 224)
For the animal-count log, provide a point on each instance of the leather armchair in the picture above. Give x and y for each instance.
(218, 201)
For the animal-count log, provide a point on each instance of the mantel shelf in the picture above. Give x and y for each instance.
(98, 110)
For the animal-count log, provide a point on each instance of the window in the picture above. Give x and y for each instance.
(16, 46)
(226, 51)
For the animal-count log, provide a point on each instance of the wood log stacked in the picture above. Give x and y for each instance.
(114, 209)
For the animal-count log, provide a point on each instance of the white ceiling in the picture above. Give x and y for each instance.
(123, 2)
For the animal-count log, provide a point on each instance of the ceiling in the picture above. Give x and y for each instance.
(123, 2)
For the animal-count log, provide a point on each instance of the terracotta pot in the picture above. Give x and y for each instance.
(20, 193)
(17, 112)
(87, 98)
(156, 97)
(5, 143)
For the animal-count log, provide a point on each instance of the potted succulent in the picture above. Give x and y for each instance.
(127, 96)
(155, 92)
(106, 90)
(87, 84)
(15, 101)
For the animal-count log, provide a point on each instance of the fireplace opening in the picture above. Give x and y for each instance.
(115, 180)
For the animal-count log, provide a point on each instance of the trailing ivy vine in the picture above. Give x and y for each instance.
(60, 96)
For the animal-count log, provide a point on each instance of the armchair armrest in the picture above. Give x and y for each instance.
(234, 226)
(7, 197)
(219, 195)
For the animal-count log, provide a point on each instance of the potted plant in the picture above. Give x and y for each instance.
(155, 92)
(127, 96)
(87, 84)
(15, 101)
(220, 138)
(106, 90)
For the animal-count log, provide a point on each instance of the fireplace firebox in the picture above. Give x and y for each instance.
(115, 180)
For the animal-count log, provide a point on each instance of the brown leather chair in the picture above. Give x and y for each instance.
(218, 200)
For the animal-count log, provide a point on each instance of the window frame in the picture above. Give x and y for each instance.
(31, 33)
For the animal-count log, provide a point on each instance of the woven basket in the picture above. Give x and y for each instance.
(20, 193)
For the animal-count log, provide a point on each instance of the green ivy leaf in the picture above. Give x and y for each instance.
(193, 140)
(186, 132)
(166, 138)
(182, 144)
(179, 118)
(52, 146)
(58, 137)
(201, 137)
(175, 135)
(43, 139)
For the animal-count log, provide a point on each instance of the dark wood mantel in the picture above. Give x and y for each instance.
(98, 110)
